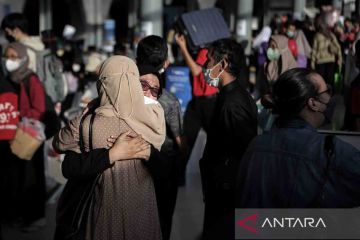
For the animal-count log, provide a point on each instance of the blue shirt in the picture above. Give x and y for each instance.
(286, 167)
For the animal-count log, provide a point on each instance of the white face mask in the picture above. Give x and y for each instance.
(13, 65)
(162, 70)
(76, 67)
(60, 52)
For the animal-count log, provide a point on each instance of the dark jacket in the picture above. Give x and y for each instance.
(233, 126)
(286, 168)
(78, 166)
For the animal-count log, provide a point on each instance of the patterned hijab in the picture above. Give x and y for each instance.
(20, 74)
(121, 96)
(287, 59)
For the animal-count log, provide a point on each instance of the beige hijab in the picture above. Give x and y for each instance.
(287, 59)
(121, 96)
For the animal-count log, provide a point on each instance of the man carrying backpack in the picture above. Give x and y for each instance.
(15, 26)
(44, 63)
(42, 59)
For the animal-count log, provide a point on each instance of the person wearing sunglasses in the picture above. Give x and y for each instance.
(292, 165)
(150, 82)
(166, 165)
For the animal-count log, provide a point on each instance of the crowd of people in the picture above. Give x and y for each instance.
(126, 142)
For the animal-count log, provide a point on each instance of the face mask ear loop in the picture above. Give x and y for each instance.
(211, 69)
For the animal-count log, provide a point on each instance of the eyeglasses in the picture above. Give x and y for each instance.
(328, 91)
(153, 90)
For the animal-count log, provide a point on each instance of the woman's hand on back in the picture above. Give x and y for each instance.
(126, 147)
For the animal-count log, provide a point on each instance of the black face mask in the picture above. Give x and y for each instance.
(9, 38)
(329, 111)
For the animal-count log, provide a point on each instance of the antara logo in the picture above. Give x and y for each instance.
(252, 219)
(249, 223)
(293, 222)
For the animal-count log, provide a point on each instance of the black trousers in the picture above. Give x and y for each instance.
(198, 115)
(10, 183)
(34, 189)
(327, 71)
(166, 189)
(166, 194)
(219, 218)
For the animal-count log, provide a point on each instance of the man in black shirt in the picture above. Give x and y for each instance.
(233, 126)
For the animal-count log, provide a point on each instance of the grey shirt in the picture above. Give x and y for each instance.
(173, 119)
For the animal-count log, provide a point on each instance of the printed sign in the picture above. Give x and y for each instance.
(297, 223)
(178, 83)
(9, 115)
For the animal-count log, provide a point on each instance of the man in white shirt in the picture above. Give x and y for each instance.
(15, 26)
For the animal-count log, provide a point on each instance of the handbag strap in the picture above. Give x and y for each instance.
(81, 136)
(329, 149)
(90, 131)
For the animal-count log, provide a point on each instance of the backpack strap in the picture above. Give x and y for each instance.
(329, 150)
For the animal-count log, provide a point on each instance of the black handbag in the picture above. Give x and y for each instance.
(76, 199)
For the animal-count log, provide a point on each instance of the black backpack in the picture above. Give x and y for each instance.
(50, 119)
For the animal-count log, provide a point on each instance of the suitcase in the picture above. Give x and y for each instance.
(202, 27)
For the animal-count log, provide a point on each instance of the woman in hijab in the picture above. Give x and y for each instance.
(31, 105)
(124, 203)
(279, 57)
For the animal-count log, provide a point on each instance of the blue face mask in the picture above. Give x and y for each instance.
(214, 82)
(290, 34)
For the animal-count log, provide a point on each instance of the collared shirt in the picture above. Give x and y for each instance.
(233, 126)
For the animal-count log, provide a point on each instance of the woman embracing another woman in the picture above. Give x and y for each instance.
(123, 204)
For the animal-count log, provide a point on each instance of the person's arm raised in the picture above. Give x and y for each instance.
(195, 68)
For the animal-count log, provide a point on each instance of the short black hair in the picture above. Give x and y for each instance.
(232, 52)
(292, 90)
(15, 20)
(119, 49)
(291, 23)
(152, 50)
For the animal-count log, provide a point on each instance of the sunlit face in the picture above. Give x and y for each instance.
(210, 61)
(212, 64)
(151, 85)
(11, 54)
(320, 102)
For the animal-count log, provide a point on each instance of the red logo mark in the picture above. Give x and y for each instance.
(252, 219)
